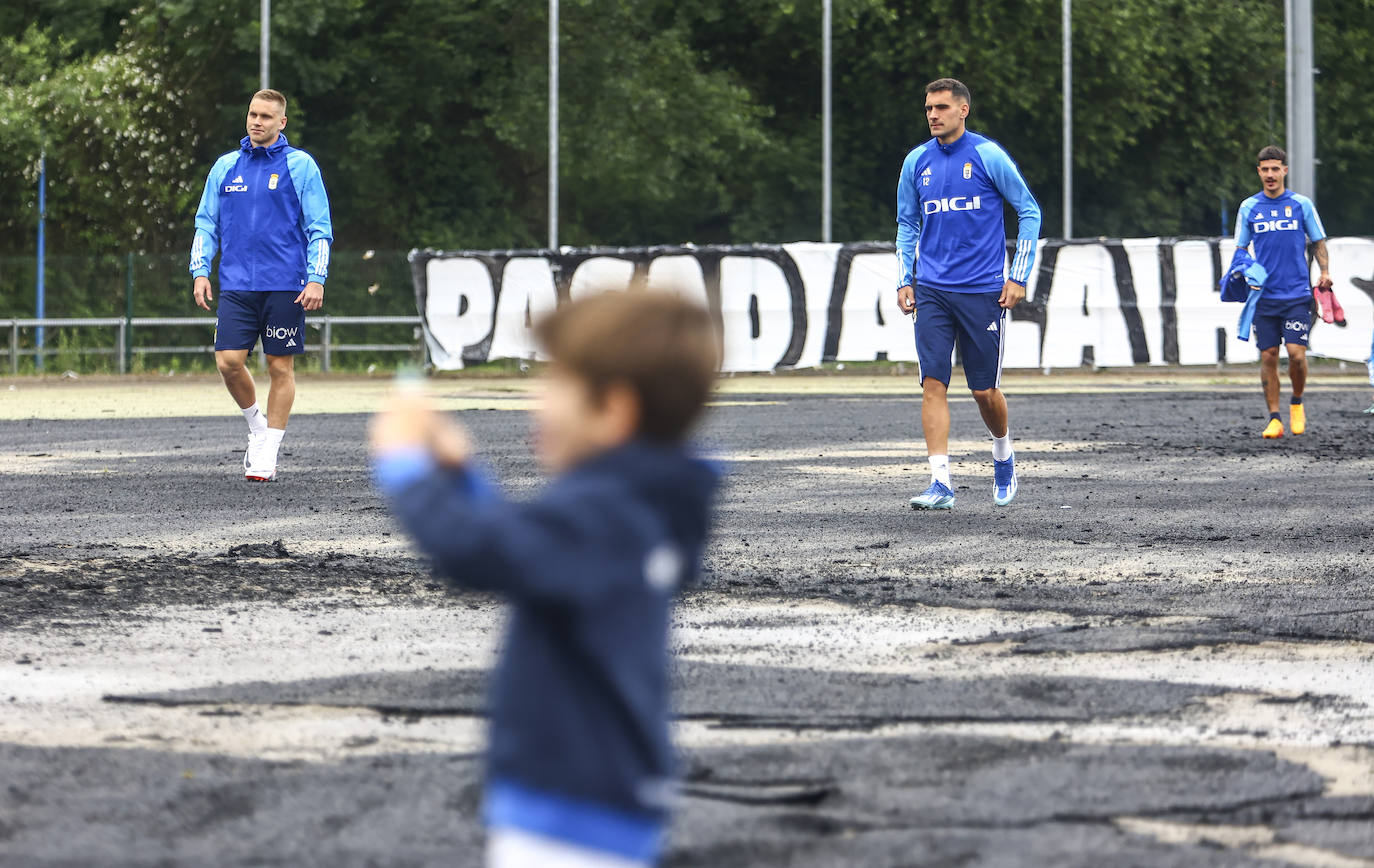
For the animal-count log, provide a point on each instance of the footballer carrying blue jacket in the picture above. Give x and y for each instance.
(949, 211)
(267, 210)
(580, 749)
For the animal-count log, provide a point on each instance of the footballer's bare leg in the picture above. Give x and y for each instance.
(1297, 368)
(233, 369)
(992, 404)
(935, 426)
(1297, 375)
(935, 416)
(1269, 379)
(282, 370)
(261, 464)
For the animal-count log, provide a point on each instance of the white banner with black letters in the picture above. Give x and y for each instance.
(1107, 303)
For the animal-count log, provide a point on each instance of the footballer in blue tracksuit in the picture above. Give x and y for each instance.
(266, 213)
(1279, 223)
(951, 255)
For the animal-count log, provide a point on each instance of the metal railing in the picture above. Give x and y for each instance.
(124, 347)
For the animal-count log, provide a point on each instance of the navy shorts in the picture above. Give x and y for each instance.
(972, 319)
(275, 316)
(1292, 324)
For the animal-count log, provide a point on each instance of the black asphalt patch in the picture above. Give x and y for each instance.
(747, 696)
(134, 807)
(43, 590)
(929, 801)
(1121, 638)
(942, 800)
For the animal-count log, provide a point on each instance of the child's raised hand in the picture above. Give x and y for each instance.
(408, 419)
(449, 442)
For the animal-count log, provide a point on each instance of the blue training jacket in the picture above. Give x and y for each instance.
(1244, 282)
(1279, 228)
(579, 747)
(266, 212)
(1243, 274)
(949, 209)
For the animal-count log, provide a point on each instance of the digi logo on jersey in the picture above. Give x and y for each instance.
(954, 203)
(1262, 226)
(236, 186)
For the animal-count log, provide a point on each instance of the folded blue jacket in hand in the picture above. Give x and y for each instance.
(1244, 282)
(1243, 274)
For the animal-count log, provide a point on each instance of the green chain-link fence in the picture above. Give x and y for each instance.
(135, 286)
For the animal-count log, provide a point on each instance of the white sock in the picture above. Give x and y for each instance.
(1001, 447)
(939, 469)
(274, 436)
(257, 420)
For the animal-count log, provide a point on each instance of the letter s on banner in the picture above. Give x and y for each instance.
(460, 307)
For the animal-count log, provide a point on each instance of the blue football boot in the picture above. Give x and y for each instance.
(937, 496)
(1004, 483)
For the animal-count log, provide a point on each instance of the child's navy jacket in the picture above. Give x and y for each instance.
(579, 702)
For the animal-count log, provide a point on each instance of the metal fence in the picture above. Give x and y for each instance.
(125, 348)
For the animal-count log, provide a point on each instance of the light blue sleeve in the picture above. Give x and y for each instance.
(1311, 223)
(1006, 177)
(205, 243)
(396, 468)
(1243, 224)
(908, 221)
(315, 220)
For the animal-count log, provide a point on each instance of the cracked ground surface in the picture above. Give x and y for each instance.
(1161, 654)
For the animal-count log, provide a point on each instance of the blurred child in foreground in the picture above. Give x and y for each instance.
(580, 765)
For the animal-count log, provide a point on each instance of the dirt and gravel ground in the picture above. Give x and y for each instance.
(1162, 654)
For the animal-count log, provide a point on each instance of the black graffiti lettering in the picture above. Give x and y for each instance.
(1168, 301)
(799, 318)
(1035, 308)
(1130, 311)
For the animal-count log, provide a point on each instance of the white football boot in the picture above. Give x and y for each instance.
(260, 461)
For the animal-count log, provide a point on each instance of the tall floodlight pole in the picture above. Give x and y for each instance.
(1300, 100)
(39, 300)
(826, 117)
(553, 124)
(1067, 14)
(265, 44)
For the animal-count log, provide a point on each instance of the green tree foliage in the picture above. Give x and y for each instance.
(1344, 42)
(120, 159)
(694, 120)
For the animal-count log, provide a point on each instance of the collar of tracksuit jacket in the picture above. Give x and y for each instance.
(246, 145)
